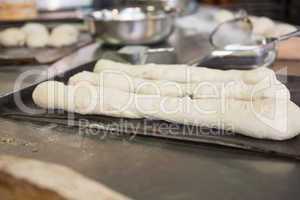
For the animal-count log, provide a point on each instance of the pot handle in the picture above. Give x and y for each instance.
(289, 35)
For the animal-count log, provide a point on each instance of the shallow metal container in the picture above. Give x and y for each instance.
(131, 25)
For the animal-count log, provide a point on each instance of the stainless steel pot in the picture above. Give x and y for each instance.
(131, 25)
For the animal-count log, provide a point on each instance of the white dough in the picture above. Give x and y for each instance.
(83, 99)
(12, 37)
(37, 35)
(30, 28)
(63, 35)
(262, 26)
(23, 178)
(223, 15)
(258, 119)
(266, 119)
(185, 73)
(235, 90)
(123, 82)
(282, 29)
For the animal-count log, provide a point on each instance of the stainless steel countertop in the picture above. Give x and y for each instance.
(149, 168)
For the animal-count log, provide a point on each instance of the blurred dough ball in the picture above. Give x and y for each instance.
(63, 35)
(262, 26)
(37, 35)
(12, 37)
(282, 29)
(223, 15)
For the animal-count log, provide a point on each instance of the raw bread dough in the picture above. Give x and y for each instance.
(25, 179)
(262, 26)
(12, 37)
(185, 73)
(266, 119)
(123, 82)
(64, 35)
(84, 99)
(223, 15)
(235, 90)
(282, 29)
(37, 35)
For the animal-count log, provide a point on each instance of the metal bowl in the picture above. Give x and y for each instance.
(131, 25)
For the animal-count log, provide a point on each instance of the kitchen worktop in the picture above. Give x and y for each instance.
(148, 168)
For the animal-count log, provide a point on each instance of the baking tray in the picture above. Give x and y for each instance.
(66, 16)
(25, 55)
(150, 128)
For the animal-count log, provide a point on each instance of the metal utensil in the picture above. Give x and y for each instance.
(274, 41)
(131, 25)
(236, 31)
(261, 54)
(236, 47)
(241, 60)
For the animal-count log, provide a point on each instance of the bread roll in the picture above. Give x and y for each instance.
(12, 37)
(37, 35)
(63, 35)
